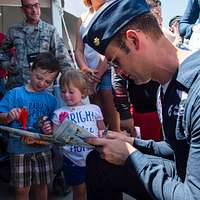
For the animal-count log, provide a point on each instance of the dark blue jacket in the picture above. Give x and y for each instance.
(181, 111)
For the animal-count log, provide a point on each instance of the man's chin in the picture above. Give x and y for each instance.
(35, 19)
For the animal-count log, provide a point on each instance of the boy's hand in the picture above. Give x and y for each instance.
(33, 142)
(14, 114)
(27, 140)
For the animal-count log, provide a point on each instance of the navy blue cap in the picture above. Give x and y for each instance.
(109, 19)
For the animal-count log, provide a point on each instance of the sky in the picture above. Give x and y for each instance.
(171, 8)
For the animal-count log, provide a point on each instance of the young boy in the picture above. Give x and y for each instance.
(31, 165)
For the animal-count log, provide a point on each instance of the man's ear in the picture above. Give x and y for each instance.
(132, 36)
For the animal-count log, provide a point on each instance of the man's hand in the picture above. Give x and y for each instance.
(114, 151)
(128, 125)
(122, 136)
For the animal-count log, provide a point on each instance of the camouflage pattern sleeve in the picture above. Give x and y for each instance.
(8, 42)
(61, 53)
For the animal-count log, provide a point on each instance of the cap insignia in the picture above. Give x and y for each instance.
(96, 41)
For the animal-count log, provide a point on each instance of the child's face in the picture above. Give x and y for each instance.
(41, 79)
(72, 96)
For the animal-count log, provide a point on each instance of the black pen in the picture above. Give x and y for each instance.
(105, 132)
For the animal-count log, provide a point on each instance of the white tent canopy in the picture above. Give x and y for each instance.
(75, 7)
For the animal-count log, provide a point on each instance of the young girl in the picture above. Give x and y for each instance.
(73, 88)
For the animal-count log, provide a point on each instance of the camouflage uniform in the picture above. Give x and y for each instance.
(28, 40)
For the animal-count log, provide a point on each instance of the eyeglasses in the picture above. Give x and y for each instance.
(112, 62)
(31, 6)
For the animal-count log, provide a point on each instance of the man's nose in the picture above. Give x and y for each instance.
(34, 9)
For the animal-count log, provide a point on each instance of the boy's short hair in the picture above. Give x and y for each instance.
(75, 78)
(46, 61)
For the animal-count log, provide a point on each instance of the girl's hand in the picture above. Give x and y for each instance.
(119, 135)
(47, 127)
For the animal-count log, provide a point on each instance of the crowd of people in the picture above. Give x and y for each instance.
(143, 84)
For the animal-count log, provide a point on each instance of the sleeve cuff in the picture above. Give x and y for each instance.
(138, 143)
(136, 161)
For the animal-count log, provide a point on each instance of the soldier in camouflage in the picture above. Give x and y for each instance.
(30, 38)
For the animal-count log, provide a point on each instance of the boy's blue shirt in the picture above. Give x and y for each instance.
(38, 104)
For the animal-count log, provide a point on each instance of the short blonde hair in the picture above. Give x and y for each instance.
(75, 78)
(87, 2)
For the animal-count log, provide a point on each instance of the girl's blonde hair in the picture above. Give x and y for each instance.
(75, 78)
(87, 2)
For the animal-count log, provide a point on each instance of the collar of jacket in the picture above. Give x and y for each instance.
(26, 26)
(189, 70)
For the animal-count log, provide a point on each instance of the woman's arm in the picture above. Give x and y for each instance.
(101, 126)
(92, 76)
(102, 66)
(79, 49)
